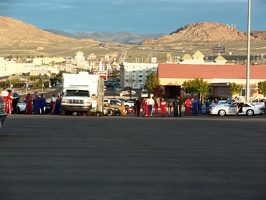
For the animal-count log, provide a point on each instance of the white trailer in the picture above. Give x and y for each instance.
(82, 93)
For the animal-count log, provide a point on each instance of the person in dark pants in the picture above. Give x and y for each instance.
(179, 106)
(137, 107)
(176, 105)
(15, 101)
(42, 104)
(36, 104)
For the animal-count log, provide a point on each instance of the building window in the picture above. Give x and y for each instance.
(243, 92)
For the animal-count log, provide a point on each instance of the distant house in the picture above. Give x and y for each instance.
(196, 58)
(172, 76)
(187, 58)
(220, 60)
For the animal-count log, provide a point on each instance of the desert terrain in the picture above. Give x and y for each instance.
(19, 39)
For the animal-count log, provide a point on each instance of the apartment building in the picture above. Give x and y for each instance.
(134, 74)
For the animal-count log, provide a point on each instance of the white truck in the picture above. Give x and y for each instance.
(83, 93)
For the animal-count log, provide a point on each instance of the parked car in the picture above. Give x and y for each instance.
(127, 102)
(22, 106)
(231, 108)
(3, 114)
(116, 101)
(114, 110)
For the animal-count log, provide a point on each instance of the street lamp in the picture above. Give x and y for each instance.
(248, 53)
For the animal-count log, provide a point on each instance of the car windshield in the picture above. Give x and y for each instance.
(79, 93)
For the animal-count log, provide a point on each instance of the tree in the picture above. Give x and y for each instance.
(262, 88)
(197, 85)
(158, 91)
(235, 89)
(151, 82)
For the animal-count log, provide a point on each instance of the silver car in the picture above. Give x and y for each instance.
(248, 109)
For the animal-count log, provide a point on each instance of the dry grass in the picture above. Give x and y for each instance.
(138, 53)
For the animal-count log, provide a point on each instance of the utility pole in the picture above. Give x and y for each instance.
(248, 54)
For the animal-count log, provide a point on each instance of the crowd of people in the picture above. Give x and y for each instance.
(35, 104)
(150, 107)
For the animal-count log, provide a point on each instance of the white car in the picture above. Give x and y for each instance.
(248, 109)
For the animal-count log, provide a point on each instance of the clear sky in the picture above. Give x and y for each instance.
(134, 16)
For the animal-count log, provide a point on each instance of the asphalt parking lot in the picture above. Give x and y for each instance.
(78, 157)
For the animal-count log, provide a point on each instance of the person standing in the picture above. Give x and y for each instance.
(199, 106)
(179, 106)
(195, 107)
(150, 102)
(187, 106)
(146, 109)
(163, 107)
(176, 106)
(58, 105)
(42, 104)
(29, 99)
(36, 104)
(9, 102)
(4, 94)
(143, 106)
(15, 101)
(169, 105)
(52, 104)
(137, 107)
(156, 105)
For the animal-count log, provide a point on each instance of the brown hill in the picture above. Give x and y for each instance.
(203, 32)
(17, 33)
(259, 35)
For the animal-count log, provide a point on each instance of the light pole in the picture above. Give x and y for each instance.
(248, 53)
(42, 83)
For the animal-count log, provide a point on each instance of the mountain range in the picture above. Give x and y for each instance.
(16, 32)
(119, 37)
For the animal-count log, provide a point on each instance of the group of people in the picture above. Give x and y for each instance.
(193, 106)
(151, 106)
(37, 103)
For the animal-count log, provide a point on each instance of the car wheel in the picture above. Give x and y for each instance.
(250, 112)
(221, 113)
(110, 112)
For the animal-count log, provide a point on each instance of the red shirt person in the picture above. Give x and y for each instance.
(156, 105)
(29, 100)
(163, 106)
(9, 102)
(143, 105)
(4, 94)
(187, 106)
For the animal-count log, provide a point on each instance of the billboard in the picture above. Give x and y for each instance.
(218, 49)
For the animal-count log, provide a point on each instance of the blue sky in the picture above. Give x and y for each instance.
(134, 16)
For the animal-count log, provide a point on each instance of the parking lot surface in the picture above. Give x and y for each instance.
(76, 157)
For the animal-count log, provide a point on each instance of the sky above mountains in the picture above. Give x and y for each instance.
(134, 16)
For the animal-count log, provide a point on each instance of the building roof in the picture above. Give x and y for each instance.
(187, 57)
(210, 71)
(220, 58)
(198, 55)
